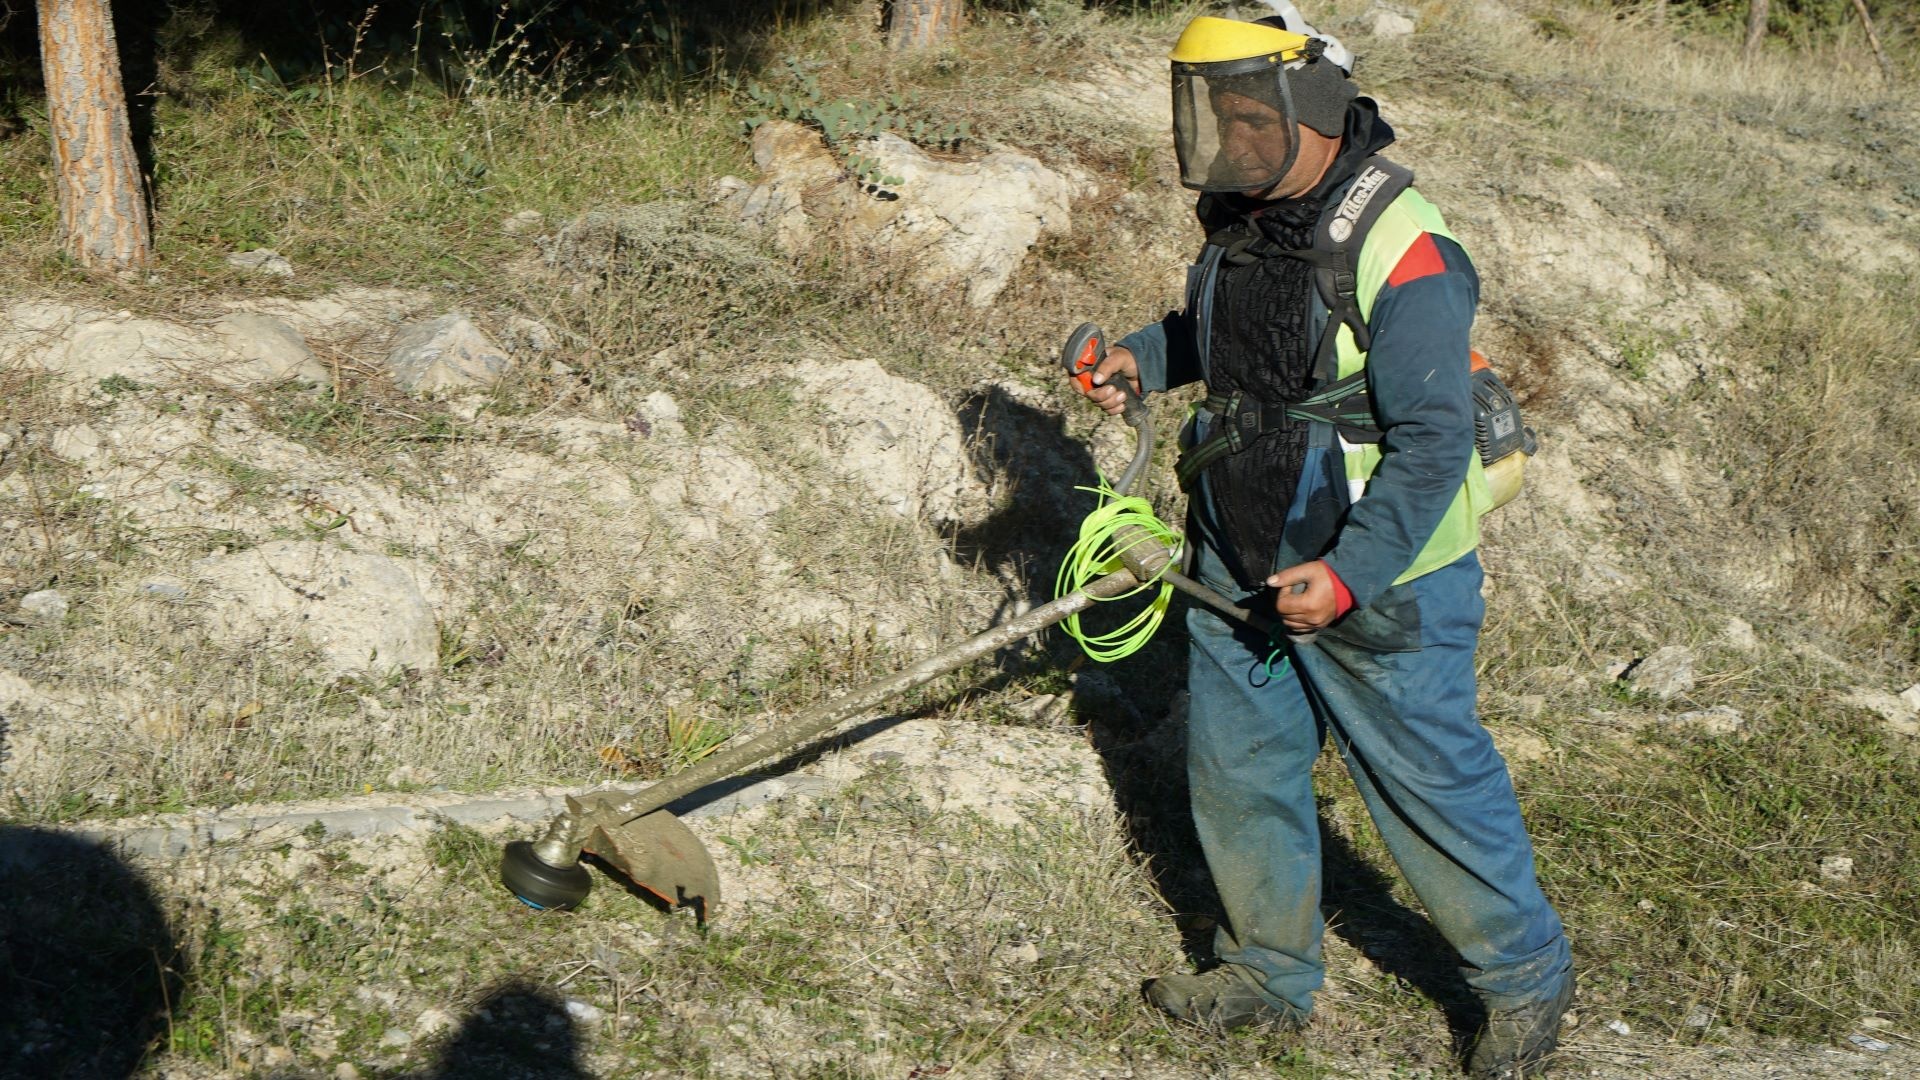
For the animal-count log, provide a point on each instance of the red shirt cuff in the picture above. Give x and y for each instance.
(1342, 598)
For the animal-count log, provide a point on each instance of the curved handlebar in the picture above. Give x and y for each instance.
(1085, 348)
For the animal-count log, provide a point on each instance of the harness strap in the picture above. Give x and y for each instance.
(1341, 402)
(1335, 256)
(1239, 419)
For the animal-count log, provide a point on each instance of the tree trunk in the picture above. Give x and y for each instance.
(1756, 26)
(1873, 39)
(103, 204)
(917, 24)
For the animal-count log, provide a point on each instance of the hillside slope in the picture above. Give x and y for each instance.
(576, 442)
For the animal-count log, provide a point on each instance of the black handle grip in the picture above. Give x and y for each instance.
(1085, 348)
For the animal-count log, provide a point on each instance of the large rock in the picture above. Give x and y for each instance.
(47, 606)
(363, 612)
(796, 169)
(85, 347)
(1901, 712)
(948, 223)
(1666, 674)
(92, 347)
(896, 438)
(263, 349)
(1387, 23)
(447, 353)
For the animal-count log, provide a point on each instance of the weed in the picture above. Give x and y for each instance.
(691, 737)
(115, 385)
(748, 849)
(1639, 347)
(247, 483)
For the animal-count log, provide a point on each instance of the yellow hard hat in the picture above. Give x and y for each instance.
(1208, 40)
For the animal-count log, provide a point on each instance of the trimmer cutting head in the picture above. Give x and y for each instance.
(659, 855)
(655, 854)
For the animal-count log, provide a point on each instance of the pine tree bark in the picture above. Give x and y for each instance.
(1756, 26)
(1873, 39)
(918, 24)
(103, 204)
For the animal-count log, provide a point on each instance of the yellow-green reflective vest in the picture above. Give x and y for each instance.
(1396, 229)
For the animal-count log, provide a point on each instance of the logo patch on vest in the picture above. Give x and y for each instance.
(1355, 204)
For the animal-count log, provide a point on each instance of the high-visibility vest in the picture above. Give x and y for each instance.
(1396, 229)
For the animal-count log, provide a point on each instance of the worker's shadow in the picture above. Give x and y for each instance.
(519, 1031)
(1358, 901)
(89, 970)
(1143, 750)
(1032, 466)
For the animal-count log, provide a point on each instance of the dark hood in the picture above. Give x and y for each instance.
(1366, 135)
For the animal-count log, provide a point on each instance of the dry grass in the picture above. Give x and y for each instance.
(1757, 356)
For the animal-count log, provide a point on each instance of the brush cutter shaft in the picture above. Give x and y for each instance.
(568, 833)
(1264, 623)
(1218, 602)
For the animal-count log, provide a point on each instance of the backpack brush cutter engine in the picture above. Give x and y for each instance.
(631, 832)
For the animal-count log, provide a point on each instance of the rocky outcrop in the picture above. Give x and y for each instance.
(84, 347)
(965, 224)
(1665, 674)
(361, 612)
(895, 438)
(263, 349)
(447, 353)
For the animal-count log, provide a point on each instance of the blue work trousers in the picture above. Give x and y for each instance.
(1406, 725)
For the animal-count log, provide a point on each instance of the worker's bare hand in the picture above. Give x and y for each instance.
(1105, 394)
(1303, 612)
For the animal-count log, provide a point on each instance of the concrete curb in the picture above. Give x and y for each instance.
(176, 836)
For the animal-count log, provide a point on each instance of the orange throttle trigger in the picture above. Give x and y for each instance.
(1085, 348)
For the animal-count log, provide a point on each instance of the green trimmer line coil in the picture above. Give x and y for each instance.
(1118, 525)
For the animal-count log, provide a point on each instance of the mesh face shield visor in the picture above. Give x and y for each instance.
(1234, 125)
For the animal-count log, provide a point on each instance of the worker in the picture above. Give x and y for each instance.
(1333, 478)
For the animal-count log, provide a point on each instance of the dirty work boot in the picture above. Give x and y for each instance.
(1221, 998)
(1517, 1042)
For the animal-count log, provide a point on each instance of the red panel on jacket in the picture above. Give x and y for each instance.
(1421, 259)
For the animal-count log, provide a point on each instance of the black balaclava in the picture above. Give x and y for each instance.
(1320, 89)
(1320, 95)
